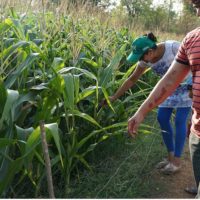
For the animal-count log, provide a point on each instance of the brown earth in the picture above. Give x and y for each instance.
(174, 184)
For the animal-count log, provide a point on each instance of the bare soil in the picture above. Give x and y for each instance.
(174, 184)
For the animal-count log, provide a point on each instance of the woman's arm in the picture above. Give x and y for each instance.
(161, 91)
(128, 83)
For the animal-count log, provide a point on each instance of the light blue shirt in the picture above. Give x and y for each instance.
(180, 97)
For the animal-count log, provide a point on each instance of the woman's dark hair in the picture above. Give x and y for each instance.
(195, 1)
(151, 36)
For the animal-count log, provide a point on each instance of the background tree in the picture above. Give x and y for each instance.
(187, 20)
(136, 7)
(187, 7)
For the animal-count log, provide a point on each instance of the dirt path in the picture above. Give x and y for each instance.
(176, 183)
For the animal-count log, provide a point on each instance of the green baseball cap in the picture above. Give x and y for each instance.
(139, 48)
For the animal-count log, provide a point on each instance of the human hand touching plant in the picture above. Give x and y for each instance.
(134, 122)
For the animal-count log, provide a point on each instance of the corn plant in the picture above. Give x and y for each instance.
(58, 73)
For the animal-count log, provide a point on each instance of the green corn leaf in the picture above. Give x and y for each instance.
(38, 42)
(35, 48)
(69, 91)
(13, 49)
(107, 73)
(5, 152)
(5, 25)
(117, 58)
(12, 97)
(57, 64)
(33, 139)
(23, 135)
(6, 141)
(92, 146)
(47, 107)
(13, 13)
(76, 87)
(91, 48)
(86, 117)
(40, 157)
(82, 160)
(100, 61)
(12, 169)
(23, 98)
(18, 29)
(85, 72)
(3, 96)
(8, 22)
(9, 42)
(107, 99)
(42, 86)
(85, 139)
(86, 92)
(24, 65)
(116, 125)
(129, 72)
(19, 113)
(90, 62)
(53, 129)
(57, 83)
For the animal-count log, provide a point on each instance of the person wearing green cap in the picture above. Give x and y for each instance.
(187, 60)
(147, 53)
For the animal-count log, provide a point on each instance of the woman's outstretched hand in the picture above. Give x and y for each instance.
(133, 124)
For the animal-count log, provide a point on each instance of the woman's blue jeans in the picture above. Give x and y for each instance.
(173, 143)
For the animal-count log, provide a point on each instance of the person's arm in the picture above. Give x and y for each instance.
(128, 83)
(161, 91)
